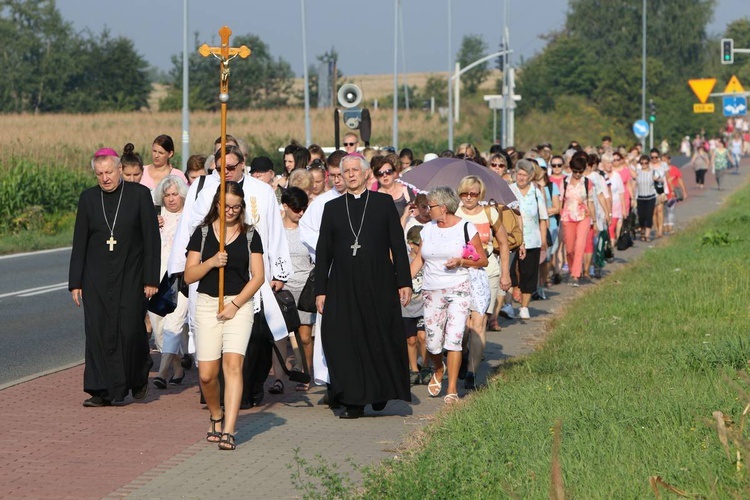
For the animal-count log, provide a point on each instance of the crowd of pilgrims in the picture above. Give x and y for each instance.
(566, 204)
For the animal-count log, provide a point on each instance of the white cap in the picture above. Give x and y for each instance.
(429, 156)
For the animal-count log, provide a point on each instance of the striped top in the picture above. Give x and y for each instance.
(645, 184)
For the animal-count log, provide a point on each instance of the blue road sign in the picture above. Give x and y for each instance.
(734, 105)
(640, 129)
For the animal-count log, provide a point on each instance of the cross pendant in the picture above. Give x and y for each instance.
(355, 247)
(111, 242)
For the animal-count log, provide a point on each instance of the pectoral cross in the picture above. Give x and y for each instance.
(355, 247)
(111, 242)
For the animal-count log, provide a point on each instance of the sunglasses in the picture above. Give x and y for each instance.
(383, 173)
(472, 194)
(556, 165)
(232, 168)
(349, 143)
(297, 210)
(654, 157)
(498, 165)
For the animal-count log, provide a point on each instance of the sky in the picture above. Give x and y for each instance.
(360, 30)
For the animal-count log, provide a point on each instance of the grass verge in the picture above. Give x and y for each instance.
(633, 371)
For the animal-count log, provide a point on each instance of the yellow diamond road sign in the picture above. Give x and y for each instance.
(733, 87)
(702, 88)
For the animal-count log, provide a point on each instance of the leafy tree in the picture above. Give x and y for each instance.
(436, 87)
(597, 55)
(50, 68)
(260, 81)
(473, 47)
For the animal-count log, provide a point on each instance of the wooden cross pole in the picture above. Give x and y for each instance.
(224, 53)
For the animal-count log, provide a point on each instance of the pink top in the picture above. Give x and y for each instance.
(574, 203)
(625, 175)
(148, 181)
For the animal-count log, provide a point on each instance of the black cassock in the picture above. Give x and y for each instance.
(114, 305)
(363, 333)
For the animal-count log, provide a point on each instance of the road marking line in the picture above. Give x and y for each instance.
(37, 289)
(64, 286)
(27, 254)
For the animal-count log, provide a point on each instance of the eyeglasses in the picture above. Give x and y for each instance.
(350, 143)
(433, 206)
(297, 210)
(383, 173)
(498, 165)
(472, 194)
(233, 208)
(654, 157)
(335, 176)
(556, 165)
(232, 168)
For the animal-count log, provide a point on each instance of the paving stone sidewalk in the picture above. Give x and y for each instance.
(52, 447)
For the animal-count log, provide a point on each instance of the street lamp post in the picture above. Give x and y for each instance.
(185, 90)
(450, 70)
(643, 73)
(308, 131)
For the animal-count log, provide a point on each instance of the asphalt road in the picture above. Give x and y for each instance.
(40, 327)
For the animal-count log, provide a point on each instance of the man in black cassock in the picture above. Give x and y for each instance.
(362, 243)
(114, 270)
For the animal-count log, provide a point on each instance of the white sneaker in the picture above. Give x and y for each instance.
(507, 311)
(523, 313)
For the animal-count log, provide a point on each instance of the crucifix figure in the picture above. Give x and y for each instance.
(224, 53)
(111, 242)
(355, 247)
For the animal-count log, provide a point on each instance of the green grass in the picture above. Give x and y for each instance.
(633, 370)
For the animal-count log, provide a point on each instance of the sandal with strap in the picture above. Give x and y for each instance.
(227, 442)
(214, 436)
(435, 386)
(451, 398)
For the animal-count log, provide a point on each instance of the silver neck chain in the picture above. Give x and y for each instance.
(349, 218)
(117, 211)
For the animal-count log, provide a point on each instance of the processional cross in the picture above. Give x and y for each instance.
(224, 53)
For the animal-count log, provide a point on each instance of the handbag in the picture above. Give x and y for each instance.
(164, 301)
(306, 300)
(288, 309)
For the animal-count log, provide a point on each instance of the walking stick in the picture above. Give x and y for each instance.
(223, 53)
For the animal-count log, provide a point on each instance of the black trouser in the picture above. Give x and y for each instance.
(646, 208)
(700, 176)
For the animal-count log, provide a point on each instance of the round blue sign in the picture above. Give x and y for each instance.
(640, 129)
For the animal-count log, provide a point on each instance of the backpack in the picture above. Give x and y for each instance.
(509, 218)
(565, 188)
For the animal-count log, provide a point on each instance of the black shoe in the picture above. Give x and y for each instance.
(187, 361)
(469, 383)
(379, 406)
(160, 383)
(246, 405)
(175, 380)
(328, 400)
(140, 393)
(352, 412)
(97, 402)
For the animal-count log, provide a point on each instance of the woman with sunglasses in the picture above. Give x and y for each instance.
(471, 191)
(646, 196)
(222, 338)
(294, 202)
(386, 171)
(535, 219)
(499, 165)
(576, 214)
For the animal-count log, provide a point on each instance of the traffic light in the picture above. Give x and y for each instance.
(652, 108)
(727, 51)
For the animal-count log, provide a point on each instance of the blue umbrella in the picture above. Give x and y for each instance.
(450, 171)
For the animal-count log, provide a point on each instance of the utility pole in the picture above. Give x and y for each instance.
(450, 90)
(185, 90)
(643, 73)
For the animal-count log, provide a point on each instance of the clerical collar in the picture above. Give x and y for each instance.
(358, 195)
